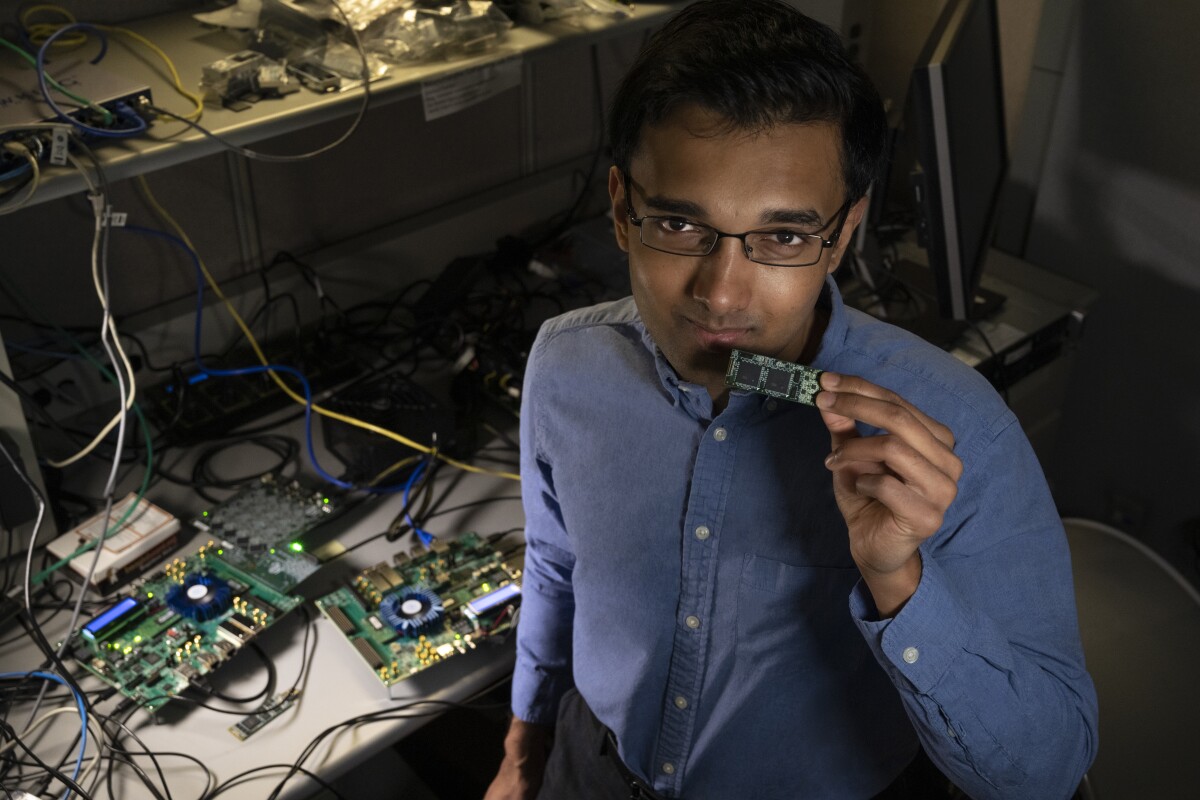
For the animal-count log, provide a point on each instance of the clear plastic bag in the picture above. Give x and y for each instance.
(579, 13)
(449, 31)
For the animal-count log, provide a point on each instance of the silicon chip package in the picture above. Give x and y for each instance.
(796, 383)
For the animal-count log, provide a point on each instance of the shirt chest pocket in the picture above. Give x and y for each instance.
(789, 616)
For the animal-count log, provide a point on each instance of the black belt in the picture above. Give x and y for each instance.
(638, 790)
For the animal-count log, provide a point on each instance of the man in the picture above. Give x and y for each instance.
(728, 596)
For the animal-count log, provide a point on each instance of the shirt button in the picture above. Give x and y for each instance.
(668, 768)
(681, 702)
(720, 434)
(692, 622)
(910, 655)
(703, 532)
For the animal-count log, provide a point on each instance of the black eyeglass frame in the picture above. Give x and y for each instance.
(841, 215)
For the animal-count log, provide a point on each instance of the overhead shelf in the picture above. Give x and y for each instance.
(191, 46)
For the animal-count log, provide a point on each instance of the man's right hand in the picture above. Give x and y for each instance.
(520, 775)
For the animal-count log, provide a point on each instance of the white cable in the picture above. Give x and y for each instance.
(112, 342)
(99, 266)
(109, 326)
(42, 720)
(37, 526)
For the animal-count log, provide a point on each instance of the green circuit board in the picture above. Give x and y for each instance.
(424, 608)
(177, 625)
(257, 529)
(772, 377)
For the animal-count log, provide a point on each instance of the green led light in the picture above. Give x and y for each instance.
(326, 501)
(297, 547)
(204, 513)
(272, 551)
(149, 595)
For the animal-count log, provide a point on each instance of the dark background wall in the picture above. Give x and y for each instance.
(1118, 208)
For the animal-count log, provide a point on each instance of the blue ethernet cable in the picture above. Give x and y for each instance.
(254, 370)
(125, 112)
(50, 676)
(425, 536)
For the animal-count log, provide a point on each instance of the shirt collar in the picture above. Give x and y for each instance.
(834, 338)
(694, 397)
(691, 396)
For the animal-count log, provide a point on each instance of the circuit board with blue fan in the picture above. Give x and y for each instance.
(178, 625)
(426, 606)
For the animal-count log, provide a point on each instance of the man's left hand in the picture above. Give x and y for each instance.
(894, 488)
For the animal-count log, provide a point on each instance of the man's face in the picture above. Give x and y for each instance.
(699, 308)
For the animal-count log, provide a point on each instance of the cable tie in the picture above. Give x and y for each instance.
(59, 142)
(115, 219)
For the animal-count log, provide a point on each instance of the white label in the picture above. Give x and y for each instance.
(58, 147)
(115, 219)
(445, 96)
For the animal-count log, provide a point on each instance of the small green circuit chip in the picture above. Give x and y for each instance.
(772, 377)
(256, 721)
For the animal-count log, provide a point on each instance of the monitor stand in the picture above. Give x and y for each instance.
(912, 305)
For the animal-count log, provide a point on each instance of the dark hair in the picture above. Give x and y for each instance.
(757, 64)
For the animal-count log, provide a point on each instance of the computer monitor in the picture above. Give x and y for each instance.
(955, 124)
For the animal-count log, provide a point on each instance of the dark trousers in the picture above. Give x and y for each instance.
(583, 767)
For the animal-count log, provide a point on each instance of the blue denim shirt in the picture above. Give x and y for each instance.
(691, 575)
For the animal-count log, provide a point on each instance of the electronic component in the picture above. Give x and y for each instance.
(122, 612)
(195, 406)
(413, 612)
(176, 626)
(449, 599)
(148, 535)
(256, 529)
(482, 605)
(255, 722)
(315, 76)
(200, 597)
(21, 101)
(394, 402)
(339, 618)
(243, 78)
(772, 377)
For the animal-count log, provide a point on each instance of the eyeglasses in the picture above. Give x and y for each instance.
(777, 247)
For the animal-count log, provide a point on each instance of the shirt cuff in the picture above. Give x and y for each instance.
(536, 693)
(922, 642)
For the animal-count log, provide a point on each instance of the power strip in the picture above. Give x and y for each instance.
(145, 538)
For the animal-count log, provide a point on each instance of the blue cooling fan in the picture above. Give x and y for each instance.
(200, 597)
(412, 612)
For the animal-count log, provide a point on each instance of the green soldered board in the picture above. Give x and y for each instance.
(257, 528)
(177, 625)
(420, 610)
(770, 376)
